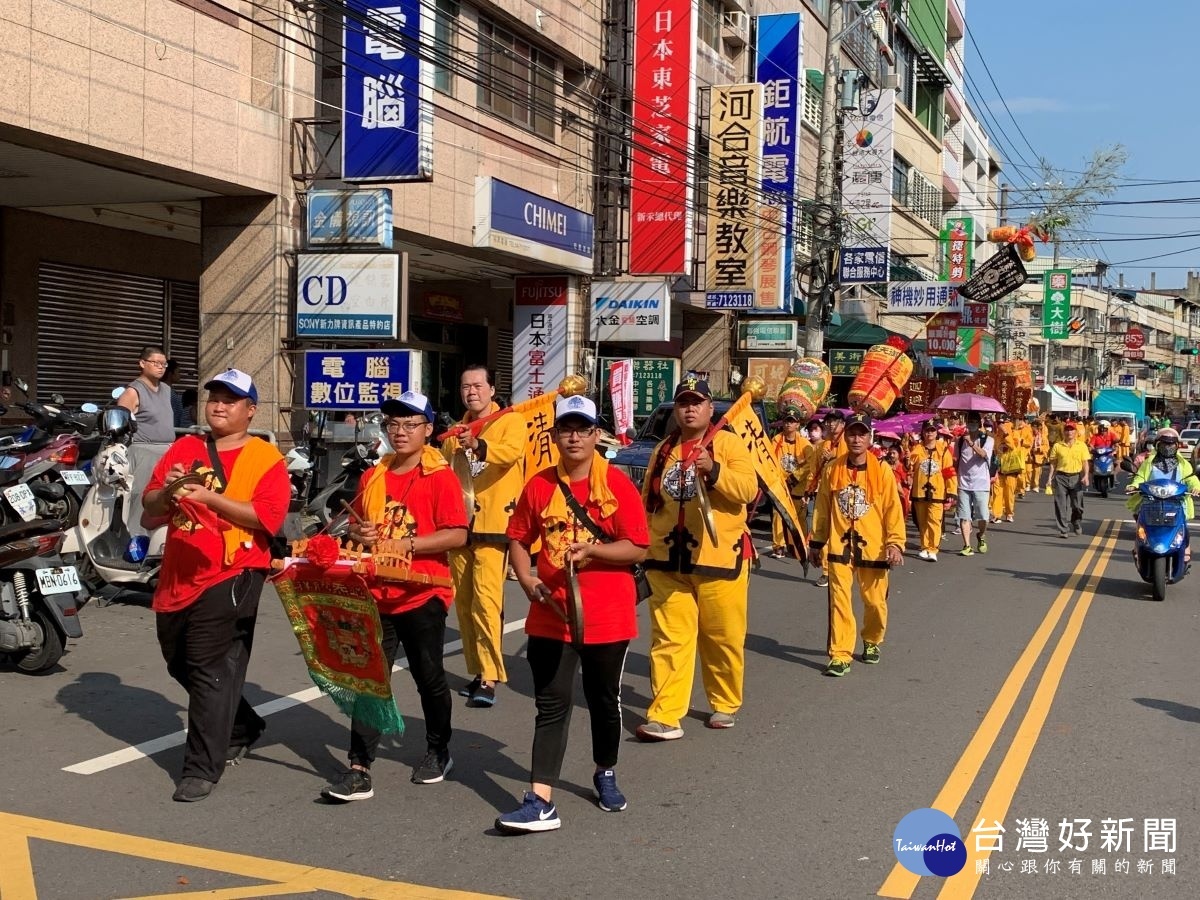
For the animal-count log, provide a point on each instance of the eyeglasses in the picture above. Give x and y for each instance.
(158, 363)
(576, 432)
(406, 427)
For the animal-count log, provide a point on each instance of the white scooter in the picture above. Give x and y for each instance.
(100, 545)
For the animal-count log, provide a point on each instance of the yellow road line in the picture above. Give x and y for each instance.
(900, 882)
(237, 893)
(17, 879)
(999, 796)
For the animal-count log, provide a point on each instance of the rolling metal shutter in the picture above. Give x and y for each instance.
(183, 332)
(92, 323)
(504, 365)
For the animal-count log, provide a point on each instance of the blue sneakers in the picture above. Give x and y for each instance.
(535, 814)
(607, 793)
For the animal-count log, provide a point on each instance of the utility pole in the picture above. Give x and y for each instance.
(826, 240)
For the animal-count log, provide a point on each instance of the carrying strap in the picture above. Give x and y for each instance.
(582, 516)
(215, 459)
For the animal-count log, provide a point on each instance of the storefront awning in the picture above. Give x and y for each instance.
(856, 331)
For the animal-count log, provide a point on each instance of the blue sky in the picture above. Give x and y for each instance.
(1078, 76)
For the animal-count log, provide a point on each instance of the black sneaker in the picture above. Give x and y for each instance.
(483, 697)
(433, 768)
(354, 785)
(192, 789)
(235, 754)
(471, 687)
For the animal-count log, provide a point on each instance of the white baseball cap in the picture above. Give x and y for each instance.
(577, 405)
(236, 381)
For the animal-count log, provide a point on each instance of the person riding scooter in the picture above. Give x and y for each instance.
(1165, 462)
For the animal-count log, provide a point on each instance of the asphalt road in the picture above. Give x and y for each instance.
(1035, 682)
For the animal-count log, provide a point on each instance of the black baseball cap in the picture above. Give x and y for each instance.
(929, 425)
(691, 386)
(859, 419)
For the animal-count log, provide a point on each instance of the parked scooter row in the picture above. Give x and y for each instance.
(40, 596)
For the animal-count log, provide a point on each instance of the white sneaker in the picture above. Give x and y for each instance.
(932, 557)
(924, 554)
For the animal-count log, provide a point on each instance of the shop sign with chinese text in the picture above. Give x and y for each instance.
(1056, 304)
(654, 380)
(958, 243)
(734, 224)
(660, 199)
(526, 224)
(631, 311)
(350, 219)
(539, 334)
(755, 335)
(780, 70)
(921, 298)
(347, 295)
(942, 340)
(867, 154)
(845, 363)
(387, 92)
(354, 380)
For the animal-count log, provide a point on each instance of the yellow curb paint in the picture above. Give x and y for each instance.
(900, 882)
(999, 796)
(17, 880)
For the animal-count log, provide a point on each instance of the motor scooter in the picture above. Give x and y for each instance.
(40, 596)
(101, 544)
(1103, 470)
(1162, 547)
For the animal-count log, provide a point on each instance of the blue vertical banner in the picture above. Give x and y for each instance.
(780, 70)
(387, 91)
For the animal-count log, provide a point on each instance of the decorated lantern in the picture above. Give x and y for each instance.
(885, 371)
(805, 388)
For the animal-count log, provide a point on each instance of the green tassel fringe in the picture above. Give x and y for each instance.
(382, 715)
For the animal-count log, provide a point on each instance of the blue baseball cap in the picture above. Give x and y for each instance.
(576, 405)
(410, 403)
(236, 382)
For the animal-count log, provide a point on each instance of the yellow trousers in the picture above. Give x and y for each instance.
(995, 501)
(478, 573)
(690, 613)
(1033, 476)
(873, 586)
(777, 523)
(1006, 487)
(929, 515)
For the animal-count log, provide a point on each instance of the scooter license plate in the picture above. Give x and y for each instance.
(61, 580)
(75, 476)
(20, 498)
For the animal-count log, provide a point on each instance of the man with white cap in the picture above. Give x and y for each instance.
(220, 521)
(587, 513)
(411, 497)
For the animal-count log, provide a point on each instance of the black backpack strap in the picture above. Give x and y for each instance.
(582, 516)
(215, 459)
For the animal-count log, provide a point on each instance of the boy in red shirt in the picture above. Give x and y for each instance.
(413, 497)
(601, 528)
(219, 527)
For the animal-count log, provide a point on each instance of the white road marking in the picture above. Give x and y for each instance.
(279, 704)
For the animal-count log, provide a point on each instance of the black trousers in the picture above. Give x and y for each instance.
(554, 664)
(1068, 500)
(207, 648)
(422, 633)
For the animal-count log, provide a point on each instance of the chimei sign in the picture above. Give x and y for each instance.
(517, 221)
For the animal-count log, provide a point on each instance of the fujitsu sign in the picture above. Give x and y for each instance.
(551, 290)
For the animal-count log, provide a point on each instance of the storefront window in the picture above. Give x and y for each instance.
(712, 12)
(516, 80)
(445, 33)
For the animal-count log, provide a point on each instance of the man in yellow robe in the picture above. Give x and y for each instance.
(796, 458)
(699, 584)
(934, 488)
(859, 528)
(495, 455)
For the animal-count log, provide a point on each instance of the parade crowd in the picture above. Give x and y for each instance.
(586, 545)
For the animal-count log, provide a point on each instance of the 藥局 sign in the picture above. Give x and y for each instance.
(539, 334)
(631, 311)
(387, 92)
(347, 295)
(352, 380)
(517, 221)
(920, 298)
(779, 68)
(350, 219)
(867, 153)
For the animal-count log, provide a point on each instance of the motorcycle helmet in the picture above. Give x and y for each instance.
(1104, 423)
(117, 424)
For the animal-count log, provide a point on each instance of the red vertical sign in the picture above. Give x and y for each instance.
(659, 218)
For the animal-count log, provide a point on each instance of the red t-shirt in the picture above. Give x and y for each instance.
(417, 505)
(609, 595)
(193, 560)
(1108, 439)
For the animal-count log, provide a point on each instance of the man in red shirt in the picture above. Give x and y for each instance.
(219, 527)
(411, 497)
(585, 512)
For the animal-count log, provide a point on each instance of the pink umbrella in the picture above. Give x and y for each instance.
(969, 403)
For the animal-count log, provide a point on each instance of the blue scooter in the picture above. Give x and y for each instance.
(1103, 470)
(1162, 550)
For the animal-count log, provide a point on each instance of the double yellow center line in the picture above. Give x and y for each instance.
(901, 883)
